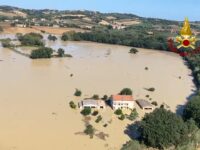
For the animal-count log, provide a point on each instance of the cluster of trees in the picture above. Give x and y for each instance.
(31, 39)
(43, 52)
(52, 37)
(134, 36)
(7, 43)
(71, 36)
(163, 129)
(192, 110)
(194, 63)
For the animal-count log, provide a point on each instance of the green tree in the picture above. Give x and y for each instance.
(126, 91)
(6, 43)
(162, 129)
(99, 118)
(118, 112)
(61, 52)
(133, 51)
(192, 109)
(133, 145)
(77, 92)
(121, 117)
(31, 39)
(95, 96)
(43, 52)
(52, 37)
(86, 111)
(133, 115)
(89, 130)
(72, 105)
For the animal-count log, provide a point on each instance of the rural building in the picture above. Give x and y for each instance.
(122, 101)
(92, 103)
(145, 105)
(21, 25)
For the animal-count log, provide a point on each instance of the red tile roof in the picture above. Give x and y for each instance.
(122, 98)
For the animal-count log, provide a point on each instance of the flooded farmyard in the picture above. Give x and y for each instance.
(34, 94)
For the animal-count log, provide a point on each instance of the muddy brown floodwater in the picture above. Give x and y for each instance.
(34, 94)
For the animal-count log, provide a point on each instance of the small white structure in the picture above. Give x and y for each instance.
(92, 103)
(122, 101)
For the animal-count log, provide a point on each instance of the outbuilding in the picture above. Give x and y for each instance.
(144, 104)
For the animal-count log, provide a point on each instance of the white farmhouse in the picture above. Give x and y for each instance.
(122, 101)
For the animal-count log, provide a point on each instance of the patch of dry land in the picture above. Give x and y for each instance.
(37, 29)
(35, 114)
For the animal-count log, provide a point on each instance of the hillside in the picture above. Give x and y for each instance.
(85, 19)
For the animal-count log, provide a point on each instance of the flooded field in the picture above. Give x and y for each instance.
(34, 94)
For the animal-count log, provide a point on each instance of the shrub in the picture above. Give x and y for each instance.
(133, 51)
(133, 145)
(72, 105)
(95, 96)
(121, 117)
(105, 125)
(31, 39)
(86, 111)
(44, 52)
(52, 37)
(105, 97)
(77, 93)
(133, 115)
(95, 113)
(68, 55)
(6, 43)
(99, 118)
(154, 103)
(126, 91)
(89, 131)
(61, 52)
(118, 112)
(151, 89)
(146, 68)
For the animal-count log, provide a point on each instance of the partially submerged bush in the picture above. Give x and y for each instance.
(118, 112)
(52, 37)
(154, 103)
(6, 43)
(86, 111)
(133, 51)
(133, 115)
(89, 130)
(105, 97)
(151, 89)
(77, 92)
(99, 118)
(61, 52)
(95, 113)
(44, 52)
(95, 96)
(121, 117)
(126, 91)
(72, 105)
(31, 39)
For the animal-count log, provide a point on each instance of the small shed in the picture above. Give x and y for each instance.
(144, 104)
